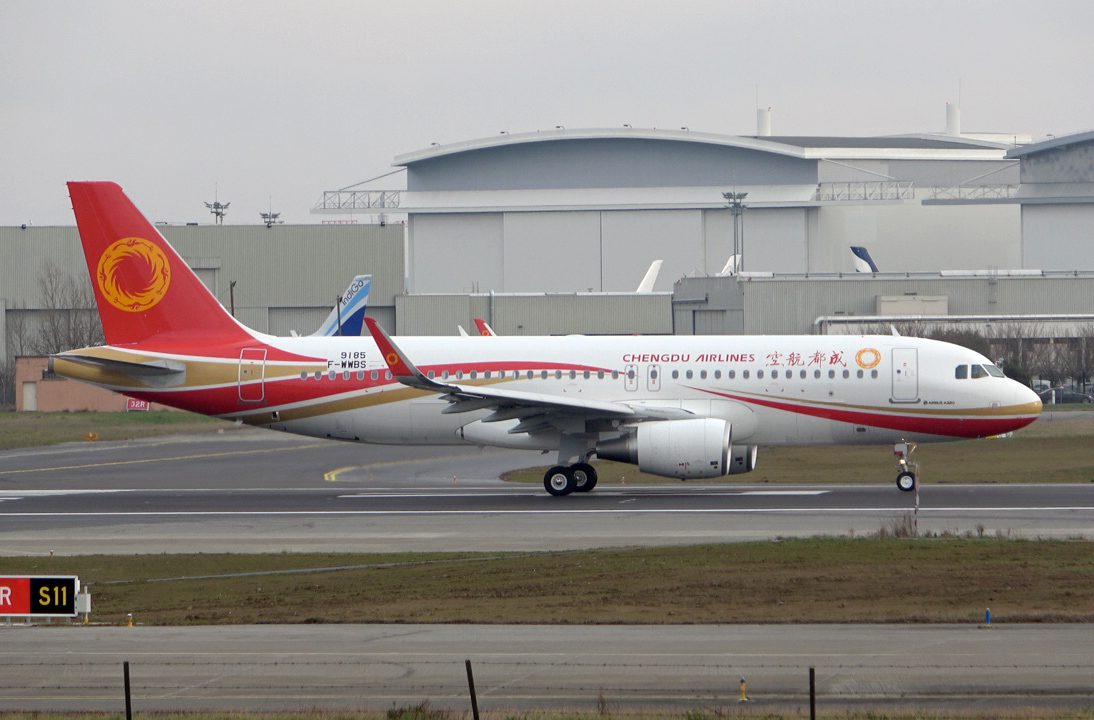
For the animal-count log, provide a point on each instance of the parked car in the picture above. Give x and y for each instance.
(1064, 396)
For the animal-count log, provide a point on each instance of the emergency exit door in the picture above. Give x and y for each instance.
(252, 375)
(905, 375)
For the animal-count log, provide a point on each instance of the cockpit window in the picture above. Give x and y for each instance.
(978, 371)
(962, 372)
(994, 371)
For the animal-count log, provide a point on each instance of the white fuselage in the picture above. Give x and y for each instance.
(777, 390)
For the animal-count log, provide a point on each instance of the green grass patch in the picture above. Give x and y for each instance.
(31, 429)
(888, 580)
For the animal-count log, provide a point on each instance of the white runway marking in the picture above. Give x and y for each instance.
(783, 492)
(20, 494)
(545, 512)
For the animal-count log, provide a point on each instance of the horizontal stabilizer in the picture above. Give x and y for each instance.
(156, 373)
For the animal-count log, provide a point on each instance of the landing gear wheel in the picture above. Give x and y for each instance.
(559, 481)
(584, 477)
(906, 481)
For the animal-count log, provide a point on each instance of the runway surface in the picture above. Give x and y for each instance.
(251, 491)
(529, 667)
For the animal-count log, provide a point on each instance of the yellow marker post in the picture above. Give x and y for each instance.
(744, 691)
(129, 620)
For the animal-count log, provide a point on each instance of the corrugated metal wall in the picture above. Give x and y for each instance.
(598, 314)
(304, 267)
(790, 305)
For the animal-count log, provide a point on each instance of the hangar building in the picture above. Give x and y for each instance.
(589, 210)
(1057, 200)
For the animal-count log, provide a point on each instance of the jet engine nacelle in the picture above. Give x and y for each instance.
(693, 448)
(742, 459)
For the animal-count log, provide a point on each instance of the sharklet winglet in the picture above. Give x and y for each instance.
(400, 365)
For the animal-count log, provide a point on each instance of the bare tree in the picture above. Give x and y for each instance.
(16, 339)
(7, 383)
(69, 317)
(1080, 358)
(1022, 347)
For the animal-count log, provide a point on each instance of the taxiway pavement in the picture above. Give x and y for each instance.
(533, 667)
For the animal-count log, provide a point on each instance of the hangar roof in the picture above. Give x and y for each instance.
(918, 147)
(1051, 144)
(504, 139)
(890, 142)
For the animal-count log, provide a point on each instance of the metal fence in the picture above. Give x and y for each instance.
(562, 682)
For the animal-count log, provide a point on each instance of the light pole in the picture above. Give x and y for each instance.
(737, 208)
(218, 209)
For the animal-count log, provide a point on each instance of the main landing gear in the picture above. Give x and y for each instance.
(907, 471)
(560, 480)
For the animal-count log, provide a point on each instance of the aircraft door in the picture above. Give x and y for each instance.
(653, 378)
(630, 378)
(252, 375)
(905, 375)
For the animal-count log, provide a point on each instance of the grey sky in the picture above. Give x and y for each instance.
(283, 99)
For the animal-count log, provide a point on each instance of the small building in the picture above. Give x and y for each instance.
(39, 390)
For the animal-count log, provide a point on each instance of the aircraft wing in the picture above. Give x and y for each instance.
(536, 411)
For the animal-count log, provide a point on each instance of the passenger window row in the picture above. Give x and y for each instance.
(472, 374)
(773, 374)
(962, 372)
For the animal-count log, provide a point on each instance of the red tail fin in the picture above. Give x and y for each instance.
(143, 288)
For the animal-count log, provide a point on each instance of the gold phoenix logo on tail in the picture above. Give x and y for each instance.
(133, 274)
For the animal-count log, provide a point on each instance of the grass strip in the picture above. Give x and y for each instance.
(32, 429)
(821, 580)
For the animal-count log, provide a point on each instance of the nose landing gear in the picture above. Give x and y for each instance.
(907, 471)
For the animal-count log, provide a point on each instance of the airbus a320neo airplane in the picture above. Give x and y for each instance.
(679, 406)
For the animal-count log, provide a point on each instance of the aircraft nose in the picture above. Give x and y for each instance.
(1026, 397)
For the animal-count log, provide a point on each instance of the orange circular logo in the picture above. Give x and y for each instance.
(133, 274)
(392, 359)
(868, 358)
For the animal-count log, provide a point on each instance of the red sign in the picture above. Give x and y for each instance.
(14, 596)
(135, 404)
(38, 595)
